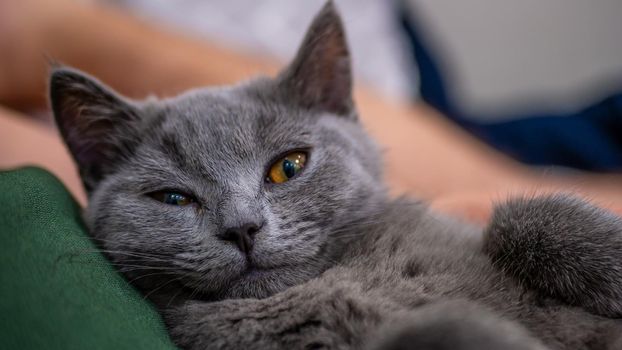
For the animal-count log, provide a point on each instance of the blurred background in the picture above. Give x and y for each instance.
(527, 56)
(472, 100)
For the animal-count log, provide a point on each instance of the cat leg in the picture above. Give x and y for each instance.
(453, 325)
(561, 247)
(320, 316)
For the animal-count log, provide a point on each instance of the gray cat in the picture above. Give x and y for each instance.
(255, 216)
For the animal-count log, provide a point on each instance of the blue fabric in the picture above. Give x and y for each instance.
(589, 139)
(431, 80)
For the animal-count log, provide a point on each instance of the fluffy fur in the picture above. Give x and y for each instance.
(335, 263)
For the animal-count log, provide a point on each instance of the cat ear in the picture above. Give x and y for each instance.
(320, 76)
(96, 123)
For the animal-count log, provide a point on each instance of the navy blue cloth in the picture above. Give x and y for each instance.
(589, 139)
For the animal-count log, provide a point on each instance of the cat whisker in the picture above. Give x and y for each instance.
(142, 257)
(118, 243)
(97, 249)
(146, 267)
(173, 297)
(133, 253)
(124, 267)
(162, 286)
(152, 274)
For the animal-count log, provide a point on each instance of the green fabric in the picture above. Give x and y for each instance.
(56, 291)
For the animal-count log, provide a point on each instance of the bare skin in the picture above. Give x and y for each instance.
(425, 154)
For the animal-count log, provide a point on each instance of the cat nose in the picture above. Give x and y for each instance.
(243, 236)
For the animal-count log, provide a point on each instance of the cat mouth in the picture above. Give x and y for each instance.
(255, 272)
(252, 275)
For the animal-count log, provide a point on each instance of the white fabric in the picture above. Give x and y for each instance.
(524, 56)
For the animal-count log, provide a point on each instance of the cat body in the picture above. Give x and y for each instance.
(256, 216)
(411, 266)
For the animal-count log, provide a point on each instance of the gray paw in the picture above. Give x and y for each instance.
(562, 247)
(218, 325)
(454, 325)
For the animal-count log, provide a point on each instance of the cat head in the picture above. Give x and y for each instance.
(226, 192)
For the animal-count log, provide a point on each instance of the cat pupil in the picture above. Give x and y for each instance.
(174, 198)
(289, 168)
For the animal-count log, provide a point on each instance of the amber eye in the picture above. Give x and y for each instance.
(172, 198)
(287, 167)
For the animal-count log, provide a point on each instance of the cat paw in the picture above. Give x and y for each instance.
(453, 325)
(217, 325)
(561, 247)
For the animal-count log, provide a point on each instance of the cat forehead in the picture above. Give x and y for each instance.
(207, 129)
(227, 111)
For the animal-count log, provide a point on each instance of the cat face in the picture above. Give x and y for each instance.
(240, 191)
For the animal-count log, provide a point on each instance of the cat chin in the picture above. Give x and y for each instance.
(256, 283)
(260, 283)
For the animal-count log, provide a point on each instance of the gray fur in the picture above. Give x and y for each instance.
(336, 263)
(574, 250)
(440, 325)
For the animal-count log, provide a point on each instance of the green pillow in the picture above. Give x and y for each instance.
(56, 290)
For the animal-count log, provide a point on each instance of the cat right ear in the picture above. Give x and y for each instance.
(97, 124)
(320, 76)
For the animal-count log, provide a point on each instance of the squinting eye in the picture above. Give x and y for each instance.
(172, 198)
(287, 167)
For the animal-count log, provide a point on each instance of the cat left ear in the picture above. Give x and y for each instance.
(320, 76)
(97, 124)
